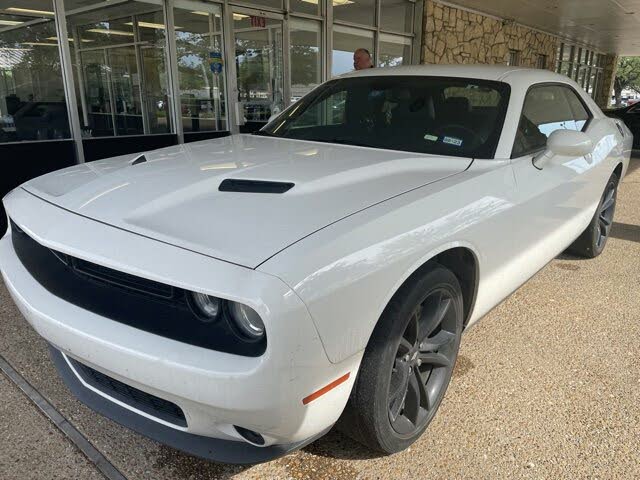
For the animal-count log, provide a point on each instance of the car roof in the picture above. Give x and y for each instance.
(481, 72)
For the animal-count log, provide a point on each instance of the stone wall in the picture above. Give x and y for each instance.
(610, 68)
(453, 35)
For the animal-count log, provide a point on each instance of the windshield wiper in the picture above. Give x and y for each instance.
(349, 141)
(263, 133)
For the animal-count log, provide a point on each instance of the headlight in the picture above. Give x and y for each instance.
(206, 307)
(246, 321)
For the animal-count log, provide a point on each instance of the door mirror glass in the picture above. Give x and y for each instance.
(570, 143)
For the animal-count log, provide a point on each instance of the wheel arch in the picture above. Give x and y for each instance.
(618, 170)
(462, 259)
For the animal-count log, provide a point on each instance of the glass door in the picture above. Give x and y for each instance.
(125, 81)
(259, 58)
(97, 93)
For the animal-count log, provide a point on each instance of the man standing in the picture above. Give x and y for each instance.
(362, 59)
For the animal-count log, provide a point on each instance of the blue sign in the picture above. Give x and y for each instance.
(215, 62)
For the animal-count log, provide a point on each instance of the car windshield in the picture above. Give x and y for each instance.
(434, 115)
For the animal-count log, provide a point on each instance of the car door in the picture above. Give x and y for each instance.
(555, 201)
(632, 118)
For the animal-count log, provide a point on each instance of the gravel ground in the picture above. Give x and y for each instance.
(546, 386)
(31, 447)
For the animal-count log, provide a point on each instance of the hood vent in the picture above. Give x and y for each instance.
(139, 159)
(254, 186)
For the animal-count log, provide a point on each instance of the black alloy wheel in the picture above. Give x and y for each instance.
(423, 363)
(592, 241)
(408, 362)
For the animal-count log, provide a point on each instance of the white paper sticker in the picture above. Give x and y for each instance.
(430, 137)
(452, 141)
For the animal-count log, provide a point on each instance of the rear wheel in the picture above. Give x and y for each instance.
(407, 364)
(592, 241)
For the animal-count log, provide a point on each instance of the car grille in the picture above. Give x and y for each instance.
(120, 279)
(145, 402)
(141, 303)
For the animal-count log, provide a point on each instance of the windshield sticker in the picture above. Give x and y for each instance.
(432, 138)
(452, 141)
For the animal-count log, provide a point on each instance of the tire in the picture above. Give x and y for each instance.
(378, 415)
(592, 241)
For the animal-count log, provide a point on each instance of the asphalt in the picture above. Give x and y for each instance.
(546, 386)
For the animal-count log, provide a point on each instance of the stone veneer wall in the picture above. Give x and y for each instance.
(453, 35)
(609, 70)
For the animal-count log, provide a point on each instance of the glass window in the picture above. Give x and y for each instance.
(345, 41)
(514, 58)
(396, 15)
(546, 109)
(355, 11)
(259, 67)
(409, 113)
(306, 61)
(541, 62)
(394, 50)
(32, 99)
(119, 60)
(578, 110)
(311, 7)
(201, 68)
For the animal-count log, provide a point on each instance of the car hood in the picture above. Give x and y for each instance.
(174, 195)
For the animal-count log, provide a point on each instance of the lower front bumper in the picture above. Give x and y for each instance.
(214, 449)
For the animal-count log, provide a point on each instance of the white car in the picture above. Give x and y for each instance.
(235, 297)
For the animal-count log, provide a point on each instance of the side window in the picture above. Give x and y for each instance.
(547, 108)
(580, 113)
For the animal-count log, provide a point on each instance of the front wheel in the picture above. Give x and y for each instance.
(407, 364)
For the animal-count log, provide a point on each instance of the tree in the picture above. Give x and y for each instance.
(627, 78)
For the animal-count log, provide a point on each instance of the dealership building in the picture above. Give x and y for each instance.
(82, 80)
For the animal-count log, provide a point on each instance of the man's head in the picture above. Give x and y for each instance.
(362, 59)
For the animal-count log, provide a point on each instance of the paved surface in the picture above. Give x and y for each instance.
(546, 386)
(31, 446)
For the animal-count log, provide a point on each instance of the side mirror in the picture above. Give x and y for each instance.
(569, 143)
(566, 143)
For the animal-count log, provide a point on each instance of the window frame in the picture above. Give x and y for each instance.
(586, 126)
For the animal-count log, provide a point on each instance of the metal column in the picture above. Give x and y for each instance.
(67, 77)
(172, 70)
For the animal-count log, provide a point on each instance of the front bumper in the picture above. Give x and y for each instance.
(215, 390)
(215, 449)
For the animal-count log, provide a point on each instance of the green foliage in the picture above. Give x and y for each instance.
(627, 77)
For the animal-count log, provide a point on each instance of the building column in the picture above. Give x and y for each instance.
(610, 68)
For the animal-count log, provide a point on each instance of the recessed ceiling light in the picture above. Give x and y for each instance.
(206, 14)
(239, 16)
(157, 26)
(28, 10)
(55, 39)
(110, 32)
(336, 3)
(10, 22)
(40, 44)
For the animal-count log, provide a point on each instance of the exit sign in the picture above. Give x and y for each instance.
(258, 22)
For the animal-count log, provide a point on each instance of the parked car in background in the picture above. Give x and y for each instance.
(630, 115)
(236, 297)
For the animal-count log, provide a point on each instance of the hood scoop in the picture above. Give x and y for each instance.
(254, 186)
(139, 159)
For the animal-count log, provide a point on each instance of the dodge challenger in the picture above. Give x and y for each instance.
(236, 298)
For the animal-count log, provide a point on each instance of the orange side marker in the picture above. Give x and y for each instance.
(325, 389)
